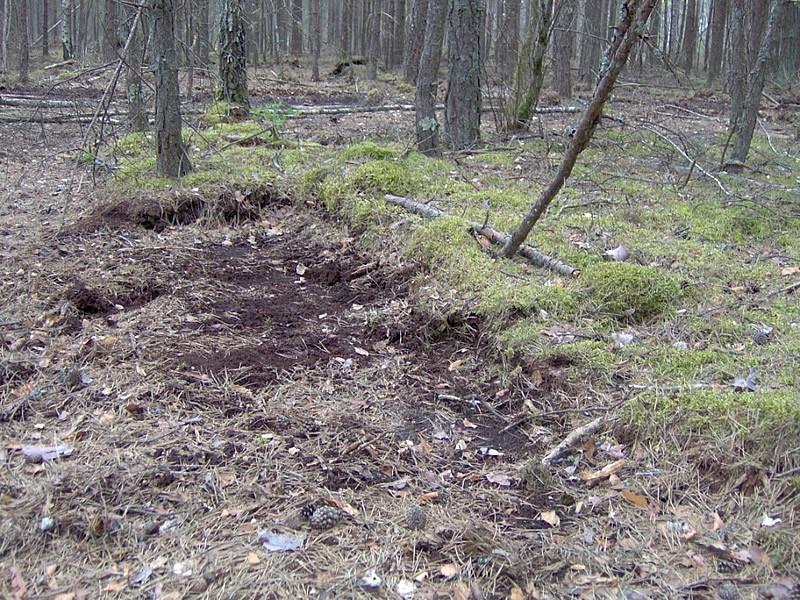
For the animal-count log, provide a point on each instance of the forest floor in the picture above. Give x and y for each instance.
(187, 372)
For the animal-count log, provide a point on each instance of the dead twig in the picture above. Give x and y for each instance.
(573, 439)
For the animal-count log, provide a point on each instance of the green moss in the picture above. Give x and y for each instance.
(618, 288)
(247, 131)
(382, 177)
(690, 365)
(587, 353)
(510, 300)
(221, 112)
(752, 415)
(137, 144)
(369, 150)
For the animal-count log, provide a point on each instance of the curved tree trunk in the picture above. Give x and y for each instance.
(462, 108)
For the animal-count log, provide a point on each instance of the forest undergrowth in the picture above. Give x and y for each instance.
(196, 376)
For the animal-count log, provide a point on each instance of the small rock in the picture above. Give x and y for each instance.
(47, 524)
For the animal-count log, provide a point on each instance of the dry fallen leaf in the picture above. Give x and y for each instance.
(500, 479)
(252, 558)
(448, 571)
(789, 271)
(551, 518)
(603, 473)
(635, 499)
(455, 365)
(516, 593)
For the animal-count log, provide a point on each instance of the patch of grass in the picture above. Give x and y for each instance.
(620, 289)
(369, 150)
(507, 300)
(383, 177)
(135, 145)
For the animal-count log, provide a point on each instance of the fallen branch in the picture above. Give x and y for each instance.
(496, 237)
(573, 439)
(305, 111)
(28, 102)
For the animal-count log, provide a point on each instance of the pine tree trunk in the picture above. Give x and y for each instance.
(4, 12)
(737, 61)
(110, 30)
(690, 36)
(399, 34)
(563, 49)
(749, 116)
(590, 42)
(45, 27)
(233, 58)
(24, 41)
(296, 41)
(171, 157)
(719, 18)
(347, 29)
(373, 49)
(462, 107)
(427, 127)
(316, 38)
(416, 40)
(67, 20)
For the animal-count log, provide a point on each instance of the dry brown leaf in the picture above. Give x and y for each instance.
(428, 497)
(551, 518)
(343, 506)
(603, 473)
(516, 593)
(253, 559)
(65, 596)
(460, 591)
(635, 499)
(448, 571)
(455, 365)
(115, 586)
(789, 271)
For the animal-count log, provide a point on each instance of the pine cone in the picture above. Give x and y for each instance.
(728, 591)
(325, 517)
(761, 335)
(416, 518)
(308, 510)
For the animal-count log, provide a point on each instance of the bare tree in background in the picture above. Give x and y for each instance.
(719, 19)
(137, 116)
(233, 58)
(171, 157)
(45, 27)
(690, 35)
(745, 122)
(315, 38)
(67, 40)
(427, 127)
(563, 48)
(416, 40)
(4, 35)
(24, 41)
(632, 24)
(462, 107)
(296, 38)
(374, 34)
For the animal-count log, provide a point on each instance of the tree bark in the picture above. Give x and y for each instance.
(24, 41)
(690, 36)
(416, 40)
(296, 41)
(462, 112)
(4, 14)
(316, 38)
(399, 34)
(563, 49)
(137, 116)
(427, 127)
(110, 40)
(746, 123)
(67, 20)
(347, 29)
(507, 47)
(233, 58)
(202, 44)
(45, 27)
(737, 62)
(590, 42)
(171, 157)
(374, 34)
(719, 18)
(632, 24)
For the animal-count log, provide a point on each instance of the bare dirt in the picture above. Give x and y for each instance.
(211, 381)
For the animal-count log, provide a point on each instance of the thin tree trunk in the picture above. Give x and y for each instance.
(347, 29)
(462, 112)
(24, 41)
(427, 127)
(507, 48)
(563, 48)
(233, 58)
(399, 34)
(416, 40)
(737, 63)
(752, 101)
(203, 43)
(45, 27)
(626, 34)
(137, 116)
(67, 21)
(719, 18)
(296, 40)
(690, 36)
(373, 50)
(316, 39)
(109, 42)
(590, 42)
(171, 157)
(4, 12)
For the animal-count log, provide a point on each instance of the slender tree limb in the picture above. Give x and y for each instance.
(573, 439)
(496, 237)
